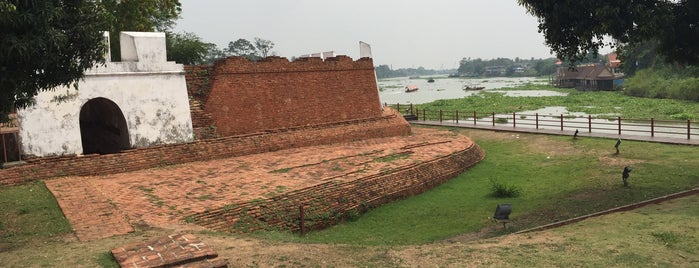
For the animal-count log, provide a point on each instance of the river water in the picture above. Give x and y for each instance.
(392, 90)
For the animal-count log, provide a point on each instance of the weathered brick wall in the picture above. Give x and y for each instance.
(247, 97)
(199, 79)
(389, 125)
(331, 202)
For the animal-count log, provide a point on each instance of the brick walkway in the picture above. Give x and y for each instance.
(108, 205)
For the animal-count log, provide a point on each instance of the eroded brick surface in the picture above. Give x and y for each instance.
(165, 196)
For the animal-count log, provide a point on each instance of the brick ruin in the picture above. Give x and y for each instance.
(240, 107)
(250, 107)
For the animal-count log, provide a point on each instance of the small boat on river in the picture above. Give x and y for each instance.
(469, 87)
(431, 80)
(410, 88)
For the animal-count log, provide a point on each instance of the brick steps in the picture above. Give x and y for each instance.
(202, 123)
(181, 250)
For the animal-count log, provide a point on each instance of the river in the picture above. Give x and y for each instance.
(392, 90)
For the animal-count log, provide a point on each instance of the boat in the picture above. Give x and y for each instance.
(469, 87)
(431, 80)
(410, 88)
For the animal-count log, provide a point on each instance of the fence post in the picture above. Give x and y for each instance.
(589, 123)
(440, 116)
(561, 122)
(514, 120)
(537, 120)
(302, 219)
(424, 117)
(4, 148)
(398, 107)
(689, 134)
(618, 118)
(457, 117)
(474, 118)
(411, 108)
(652, 127)
(493, 118)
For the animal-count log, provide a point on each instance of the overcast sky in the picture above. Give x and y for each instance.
(434, 34)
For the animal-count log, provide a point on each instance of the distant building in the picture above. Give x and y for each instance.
(586, 77)
(591, 76)
(495, 71)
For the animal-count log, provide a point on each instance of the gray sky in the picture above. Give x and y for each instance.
(434, 34)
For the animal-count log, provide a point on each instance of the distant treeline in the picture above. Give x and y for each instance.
(506, 67)
(384, 71)
(479, 68)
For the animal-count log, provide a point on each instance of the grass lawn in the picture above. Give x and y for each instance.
(559, 178)
(29, 212)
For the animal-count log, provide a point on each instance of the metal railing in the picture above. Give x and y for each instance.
(608, 125)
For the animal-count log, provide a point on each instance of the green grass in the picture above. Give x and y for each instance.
(662, 235)
(558, 178)
(596, 102)
(29, 211)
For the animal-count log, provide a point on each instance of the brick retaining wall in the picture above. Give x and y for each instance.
(330, 202)
(389, 125)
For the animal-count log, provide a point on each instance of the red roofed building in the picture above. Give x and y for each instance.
(590, 76)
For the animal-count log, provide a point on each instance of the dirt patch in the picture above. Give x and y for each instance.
(615, 161)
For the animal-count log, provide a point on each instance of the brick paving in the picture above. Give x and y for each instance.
(91, 213)
(181, 250)
(101, 206)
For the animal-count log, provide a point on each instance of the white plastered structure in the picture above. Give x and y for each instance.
(150, 92)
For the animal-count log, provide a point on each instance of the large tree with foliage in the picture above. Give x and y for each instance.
(49, 43)
(186, 48)
(45, 44)
(573, 28)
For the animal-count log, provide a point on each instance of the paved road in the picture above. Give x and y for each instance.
(558, 132)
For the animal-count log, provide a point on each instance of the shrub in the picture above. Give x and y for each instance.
(501, 120)
(498, 189)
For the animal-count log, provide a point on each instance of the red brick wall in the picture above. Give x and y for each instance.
(389, 125)
(248, 96)
(331, 202)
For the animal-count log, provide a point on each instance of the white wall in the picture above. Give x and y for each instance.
(151, 93)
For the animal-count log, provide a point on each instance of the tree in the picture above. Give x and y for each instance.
(573, 28)
(46, 44)
(256, 50)
(213, 53)
(545, 66)
(264, 47)
(639, 56)
(241, 47)
(186, 48)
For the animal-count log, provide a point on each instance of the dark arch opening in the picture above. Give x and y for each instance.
(103, 127)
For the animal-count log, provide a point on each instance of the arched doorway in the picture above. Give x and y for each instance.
(103, 127)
